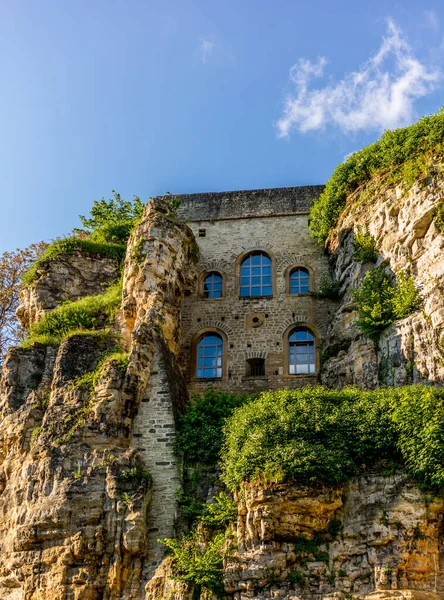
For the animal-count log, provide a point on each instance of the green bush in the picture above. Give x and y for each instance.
(406, 298)
(375, 303)
(197, 563)
(90, 312)
(380, 301)
(112, 221)
(328, 288)
(220, 513)
(317, 436)
(439, 217)
(200, 436)
(400, 156)
(364, 246)
(67, 246)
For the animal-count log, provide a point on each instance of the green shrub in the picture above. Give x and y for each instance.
(406, 298)
(112, 221)
(400, 156)
(375, 303)
(200, 436)
(220, 513)
(439, 217)
(199, 564)
(318, 436)
(90, 313)
(380, 301)
(328, 288)
(67, 246)
(364, 246)
(137, 476)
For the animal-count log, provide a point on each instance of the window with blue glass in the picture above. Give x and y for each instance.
(301, 352)
(209, 356)
(255, 275)
(212, 286)
(299, 281)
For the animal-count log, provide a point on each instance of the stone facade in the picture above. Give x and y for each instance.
(227, 227)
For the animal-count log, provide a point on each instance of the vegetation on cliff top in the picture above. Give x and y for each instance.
(400, 156)
(67, 246)
(88, 313)
(105, 233)
(112, 221)
(317, 436)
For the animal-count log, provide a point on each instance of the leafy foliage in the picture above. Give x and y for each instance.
(315, 435)
(200, 435)
(328, 288)
(112, 220)
(12, 266)
(198, 563)
(221, 513)
(380, 301)
(399, 156)
(67, 246)
(90, 313)
(364, 246)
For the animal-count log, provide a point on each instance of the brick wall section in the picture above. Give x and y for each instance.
(153, 436)
(287, 239)
(229, 205)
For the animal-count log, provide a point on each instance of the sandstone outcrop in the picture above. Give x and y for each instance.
(66, 278)
(403, 226)
(378, 537)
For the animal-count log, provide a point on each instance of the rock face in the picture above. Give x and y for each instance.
(74, 483)
(412, 349)
(378, 537)
(88, 472)
(69, 277)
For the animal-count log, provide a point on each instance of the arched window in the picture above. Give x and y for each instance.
(301, 352)
(299, 281)
(255, 275)
(209, 356)
(212, 285)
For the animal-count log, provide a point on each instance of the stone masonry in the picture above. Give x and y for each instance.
(227, 226)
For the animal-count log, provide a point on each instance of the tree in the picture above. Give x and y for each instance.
(112, 220)
(12, 266)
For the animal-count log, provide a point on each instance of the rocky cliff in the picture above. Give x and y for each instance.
(403, 225)
(88, 472)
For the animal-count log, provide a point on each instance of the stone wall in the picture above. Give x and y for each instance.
(287, 241)
(248, 203)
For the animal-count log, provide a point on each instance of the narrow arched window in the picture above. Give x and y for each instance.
(209, 356)
(255, 275)
(301, 352)
(212, 286)
(299, 281)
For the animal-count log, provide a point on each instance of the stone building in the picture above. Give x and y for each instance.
(253, 322)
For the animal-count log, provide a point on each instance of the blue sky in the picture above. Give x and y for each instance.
(145, 97)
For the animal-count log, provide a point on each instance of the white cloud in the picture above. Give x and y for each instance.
(206, 49)
(381, 95)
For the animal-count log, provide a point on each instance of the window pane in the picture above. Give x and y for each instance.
(301, 352)
(256, 279)
(209, 361)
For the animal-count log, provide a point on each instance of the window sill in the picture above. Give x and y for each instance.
(205, 379)
(293, 375)
(253, 377)
(255, 297)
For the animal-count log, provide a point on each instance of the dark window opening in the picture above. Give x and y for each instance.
(202, 232)
(255, 367)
